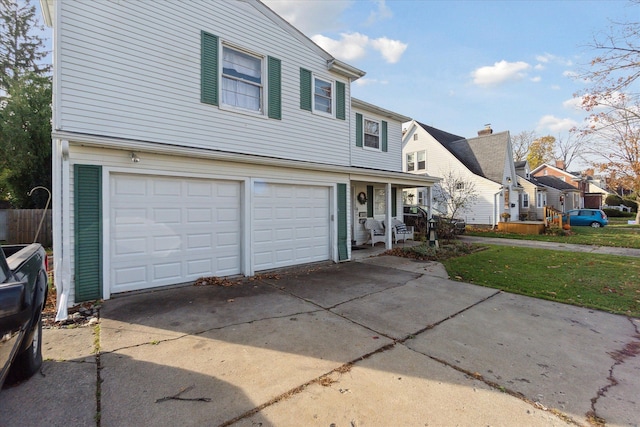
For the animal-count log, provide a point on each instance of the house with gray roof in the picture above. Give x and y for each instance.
(560, 194)
(485, 162)
(533, 196)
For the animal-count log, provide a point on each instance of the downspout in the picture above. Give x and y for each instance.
(63, 264)
(495, 208)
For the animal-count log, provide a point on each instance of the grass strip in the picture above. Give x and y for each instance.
(604, 282)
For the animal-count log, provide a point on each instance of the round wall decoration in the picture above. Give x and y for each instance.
(362, 198)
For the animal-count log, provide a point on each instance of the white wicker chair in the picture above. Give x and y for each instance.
(401, 231)
(376, 230)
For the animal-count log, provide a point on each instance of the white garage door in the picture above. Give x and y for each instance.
(168, 230)
(290, 225)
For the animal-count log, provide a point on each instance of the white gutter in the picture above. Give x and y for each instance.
(62, 247)
(356, 173)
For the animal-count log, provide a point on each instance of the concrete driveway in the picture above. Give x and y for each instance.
(382, 341)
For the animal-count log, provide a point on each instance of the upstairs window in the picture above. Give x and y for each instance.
(241, 80)
(411, 162)
(525, 200)
(372, 134)
(422, 160)
(322, 96)
(236, 78)
(415, 136)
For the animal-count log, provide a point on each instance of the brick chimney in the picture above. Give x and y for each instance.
(486, 131)
(589, 172)
(560, 164)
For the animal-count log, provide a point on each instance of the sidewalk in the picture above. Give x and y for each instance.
(382, 341)
(554, 246)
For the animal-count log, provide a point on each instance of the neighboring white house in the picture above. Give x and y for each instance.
(533, 197)
(486, 161)
(204, 138)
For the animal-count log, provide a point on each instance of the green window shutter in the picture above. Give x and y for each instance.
(384, 136)
(275, 88)
(359, 130)
(370, 201)
(342, 222)
(88, 232)
(305, 89)
(209, 68)
(340, 101)
(394, 203)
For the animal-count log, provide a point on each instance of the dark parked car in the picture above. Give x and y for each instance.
(23, 292)
(591, 217)
(418, 217)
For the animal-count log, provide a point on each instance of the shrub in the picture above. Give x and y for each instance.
(614, 213)
(424, 252)
(631, 204)
(613, 200)
(555, 230)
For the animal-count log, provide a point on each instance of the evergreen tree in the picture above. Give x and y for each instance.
(21, 49)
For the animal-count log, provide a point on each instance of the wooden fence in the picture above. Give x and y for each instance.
(20, 226)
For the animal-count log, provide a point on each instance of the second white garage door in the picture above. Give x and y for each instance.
(169, 230)
(290, 225)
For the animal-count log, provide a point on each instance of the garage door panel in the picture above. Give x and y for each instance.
(290, 226)
(166, 230)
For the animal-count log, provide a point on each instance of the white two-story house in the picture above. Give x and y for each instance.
(198, 138)
(484, 162)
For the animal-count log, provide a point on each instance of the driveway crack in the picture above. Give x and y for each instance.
(629, 350)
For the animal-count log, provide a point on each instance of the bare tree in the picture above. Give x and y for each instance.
(613, 102)
(520, 144)
(454, 194)
(570, 148)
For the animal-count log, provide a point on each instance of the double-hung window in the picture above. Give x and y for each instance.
(525, 200)
(411, 162)
(372, 134)
(422, 160)
(241, 80)
(322, 96)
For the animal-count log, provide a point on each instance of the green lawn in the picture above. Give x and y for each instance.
(604, 282)
(618, 233)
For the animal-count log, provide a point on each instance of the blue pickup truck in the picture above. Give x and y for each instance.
(23, 293)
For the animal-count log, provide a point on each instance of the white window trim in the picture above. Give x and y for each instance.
(263, 87)
(406, 161)
(364, 133)
(313, 96)
(418, 161)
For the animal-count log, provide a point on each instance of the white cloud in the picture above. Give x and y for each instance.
(573, 104)
(352, 46)
(539, 67)
(555, 124)
(536, 79)
(391, 50)
(499, 72)
(310, 17)
(349, 48)
(381, 14)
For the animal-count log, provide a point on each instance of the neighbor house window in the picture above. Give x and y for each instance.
(459, 185)
(542, 200)
(422, 160)
(421, 198)
(242, 83)
(372, 134)
(525, 200)
(415, 136)
(322, 96)
(411, 162)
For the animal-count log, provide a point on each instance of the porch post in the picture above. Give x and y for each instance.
(388, 220)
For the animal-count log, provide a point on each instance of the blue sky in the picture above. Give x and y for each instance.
(458, 65)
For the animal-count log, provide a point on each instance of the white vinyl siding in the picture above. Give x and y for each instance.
(378, 159)
(132, 70)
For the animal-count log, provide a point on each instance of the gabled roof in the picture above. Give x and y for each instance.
(546, 165)
(440, 135)
(554, 182)
(483, 155)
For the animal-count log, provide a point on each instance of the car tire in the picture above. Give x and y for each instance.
(29, 361)
(595, 224)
